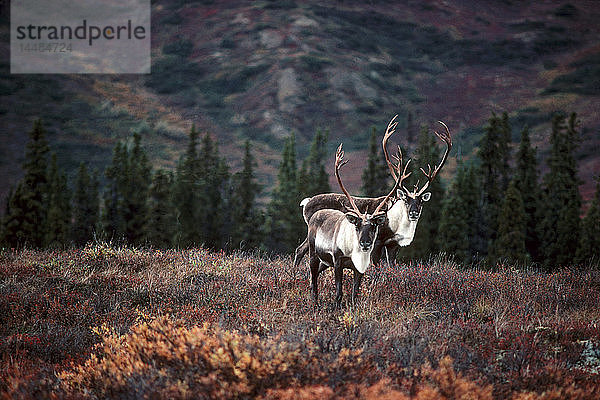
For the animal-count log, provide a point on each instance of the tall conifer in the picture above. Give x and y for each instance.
(284, 223)
(125, 212)
(161, 212)
(510, 242)
(58, 220)
(26, 221)
(453, 235)
(491, 170)
(85, 207)
(459, 231)
(526, 181)
(213, 181)
(135, 193)
(505, 152)
(186, 194)
(375, 175)
(317, 178)
(113, 221)
(562, 201)
(589, 242)
(248, 220)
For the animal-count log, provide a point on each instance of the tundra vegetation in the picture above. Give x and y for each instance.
(109, 321)
(502, 303)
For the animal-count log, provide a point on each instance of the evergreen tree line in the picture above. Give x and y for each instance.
(200, 203)
(496, 208)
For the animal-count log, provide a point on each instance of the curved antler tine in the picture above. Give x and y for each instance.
(339, 162)
(427, 174)
(423, 189)
(398, 155)
(405, 168)
(401, 177)
(431, 174)
(396, 185)
(446, 136)
(339, 157)
(391, 128)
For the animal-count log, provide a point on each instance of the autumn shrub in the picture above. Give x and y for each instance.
(165, 359)
(97, 318)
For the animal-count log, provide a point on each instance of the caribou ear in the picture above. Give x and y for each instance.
(401, 194)
(426, 196)
(353, 218)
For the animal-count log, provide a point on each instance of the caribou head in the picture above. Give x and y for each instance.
(366, 225)
(414, 199)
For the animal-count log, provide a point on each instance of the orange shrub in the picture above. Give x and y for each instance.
(164, 358)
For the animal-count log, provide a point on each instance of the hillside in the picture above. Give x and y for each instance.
(108, 322)
(261, 70)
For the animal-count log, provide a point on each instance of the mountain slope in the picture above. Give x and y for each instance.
(261, 70)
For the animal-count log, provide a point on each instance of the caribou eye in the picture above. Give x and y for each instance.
(353, 218)
(380, 220)
(426, 196)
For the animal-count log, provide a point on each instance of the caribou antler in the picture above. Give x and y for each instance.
(339, 162)
(391, 128)
(399, 177)
(447, 138)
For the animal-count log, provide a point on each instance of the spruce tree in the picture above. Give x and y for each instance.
(113, 211)
(453, 236)
(318, 180)
(459, 232)
(425, 241)
(135, 192)
(491, 169)
(562, 200)
(284, 225)
(3, 233)
(58, 220)
(187, 196)
(125, 212)
(161, 213)
(15, 226)
(248, 220)
(86, 207)
(510, 243)
(504, 150)
(375, 175)
(472, 198)
(213, 181)
(589, 242)
(526, 181)
(303, 179)
(26, 221)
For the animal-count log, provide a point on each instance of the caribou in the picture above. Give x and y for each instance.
(344, 239)
(403, 209)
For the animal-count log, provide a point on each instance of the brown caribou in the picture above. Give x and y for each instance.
(344, 238)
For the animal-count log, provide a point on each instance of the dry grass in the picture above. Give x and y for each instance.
(106, 322)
